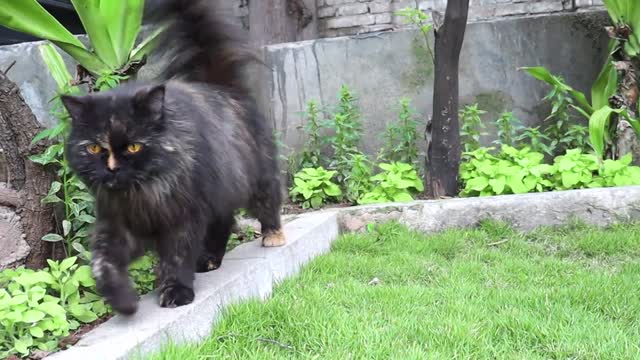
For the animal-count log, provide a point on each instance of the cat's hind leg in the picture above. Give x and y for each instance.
(215, 244)
(265, 206)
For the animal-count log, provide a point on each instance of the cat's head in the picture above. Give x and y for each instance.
(118, 138)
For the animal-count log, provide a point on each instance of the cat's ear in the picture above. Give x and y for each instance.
(150, 101)
(75, 105)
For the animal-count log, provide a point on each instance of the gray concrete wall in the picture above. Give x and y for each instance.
(382, 68)
(348, 17)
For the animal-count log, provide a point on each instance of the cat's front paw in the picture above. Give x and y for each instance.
(124, 302)
(176, 295)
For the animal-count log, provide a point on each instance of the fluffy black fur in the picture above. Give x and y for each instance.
(201, 151)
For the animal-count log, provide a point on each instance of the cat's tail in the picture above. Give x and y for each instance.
(198, 44)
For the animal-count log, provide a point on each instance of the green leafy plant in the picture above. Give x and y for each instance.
(348, 129)
(535, 139)
(420, 19)
(358, 180)
(311, 154)
(617, 173)
(112, 27)
(508, 126)
(142, 274)
(574, 170)
(38, 308)
(68, 190)
(398, 182)
(576, 137)
(471, 127)
(512, 171)
(400, 137)
(313, 187)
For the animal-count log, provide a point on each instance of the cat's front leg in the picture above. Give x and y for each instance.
(177, 266)
(110, 260)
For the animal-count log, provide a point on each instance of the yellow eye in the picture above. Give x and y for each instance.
(134, 148)
(94, 148)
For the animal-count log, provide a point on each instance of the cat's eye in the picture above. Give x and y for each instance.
(134, 148)
(94, 148)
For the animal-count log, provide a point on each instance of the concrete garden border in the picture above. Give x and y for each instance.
(250, 271)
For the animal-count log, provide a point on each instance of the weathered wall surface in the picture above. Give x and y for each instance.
(348, 17)
(383, 68)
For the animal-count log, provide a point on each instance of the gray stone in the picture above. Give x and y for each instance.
(600, 207)
(352, 9)
(248, 271)
(13, 247)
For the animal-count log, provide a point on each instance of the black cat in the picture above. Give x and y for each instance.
(169, 162)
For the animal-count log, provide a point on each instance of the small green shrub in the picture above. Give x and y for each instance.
(311, 154)
(347, 126)
(537, 140)
(515, 171)
(471, 127)
(38, 308)
(358, 180)
(617, 173)
(512, 171)
(142, 275)
(574, 170)
(397, 182)
(313, 187)
(508, 126)
(400, 137)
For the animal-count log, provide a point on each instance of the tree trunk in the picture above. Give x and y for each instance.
(443, 153)
(281, 21)
(27, 182)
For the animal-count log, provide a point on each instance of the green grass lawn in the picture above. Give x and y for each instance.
(569, 293)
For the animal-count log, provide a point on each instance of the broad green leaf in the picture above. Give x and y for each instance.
(147, 45)
(52, 309)
(32, 316)
(29, 17)
(570, 179)
(87, 218)
(95, 24)
(52, 238)
(477, 184)
(68, 263)
(83, 276)
(498, 184)
(36, 332)
(543, 74)
(123, 21)
(516, 185)
(56, 65)
(82, 313)
(606, 83)
(598, 126)
(66, 227)
(21, 346)
(332, 190)
(316, 202)
(402, 197)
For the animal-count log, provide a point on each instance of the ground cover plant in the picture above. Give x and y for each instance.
(486, 293)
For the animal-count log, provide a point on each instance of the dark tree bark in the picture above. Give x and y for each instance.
(443, 134)
(281, 21)
(626, 96)
(28, 182)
